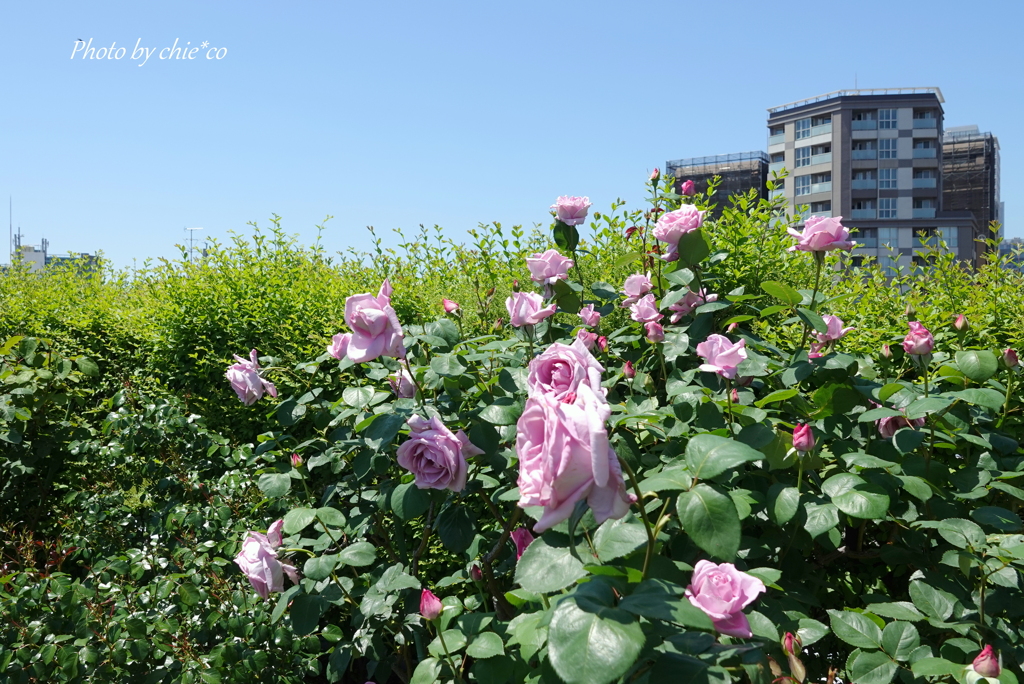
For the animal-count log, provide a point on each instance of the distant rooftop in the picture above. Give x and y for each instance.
(965, 133)
(718, 159)
(863, 92)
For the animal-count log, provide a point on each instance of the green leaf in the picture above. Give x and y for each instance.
(448, 365)
(899, 610)
(957, 531)
(855, 629)
(456, 528)
(486, 645)
(978, 365)
(320, 567)
(428, 671)
(868, 501)
(916, 487)
(663, 600)
(297, 519)
(668, 479)
(189, 593)
(924, 407)
(289, 412)
(504, 411)
(626, 260)
(383, 427)
(409, 501)
(776, 396)
(605, 291)
(935, 667)
(812, 320)
(87, 366)
(305, 613)
(872, 668)
(711, 520)
(782, 292)
(544, 569)
(357, 397)
(396, 578)
(820, 518)
(999, 518)
(682, 276)
(899, 639)
(889, 390)
(592, 647)
(274, 485)
(989, 398)
(359, 554)
(693, 248)
(617, 538)
(931, 601)
(783, 503)
(877, 413)
(566, 236)
(331, 516)
(454, 640)
(711, 455)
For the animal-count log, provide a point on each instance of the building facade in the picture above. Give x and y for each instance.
(970, 176)
(874, 158)
(740, 172)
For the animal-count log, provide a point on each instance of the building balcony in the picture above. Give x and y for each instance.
(777, 139)
(925, 123)
(821, 158)
(863, 213)
(926, 213)
(924, 182)
(865, 241)
(824, 214)
(864, 184)
(864, 154)
(924, 153)
(821, 187)
(823, 129)
(863, 125)
(776, 167)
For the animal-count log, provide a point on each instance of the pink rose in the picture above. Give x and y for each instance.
(527, 308)
(655, 333)
(571, 210)
(918, 341)
(296, 461)
(375, 327)
(961, 323)
(258, 560)
(721, 356)
(628, 370)
(722, 592)
(635, 287)
(687, 188)
(564, 456)
(562, 369)
(590, 317)
(821, 234)
(834, 333)
(656, 174)
(671, 227)
(791, 644)
(987, 663)
(430, 605)
(522, 538)
(246, 380)
(338, 348)
(803, 438)
(689, 303)
(449, 306)
(1010, 358)
(548, 267)
(589, 339)
(602, 343)
(402, 384)
(886, 351)
(645, 310)
(436, 455)
(887, 427)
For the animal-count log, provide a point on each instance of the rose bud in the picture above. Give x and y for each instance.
(449, 306)
(961, 324)
(1010, 358)
(430, 605)
(522, 539)
(791, 644)
(602, 343)
(475, 574)
(732, 327)
(515, 284)
(656, 174)
(296, 460)
(655, 333)
(886, 351)
(687, 189)
(987, 664)
(803, 438)
(628, 370)
(735, 396)
(919, 340)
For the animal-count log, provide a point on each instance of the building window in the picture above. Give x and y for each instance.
(861, 145)
(924, 144)
(778, 157)
(821, 207)
(924, 114)
(924, 203)
(822, 177)
(863, 205)
(864, 115)
(776, 130)
(925, 173)
(889, 237)
(887, 208)
(821, 120)
(803, 157)
(887, 148)
(802, 185)
(865, 174)
(886, 179)
(803, 128)
(950, 237)
(887, 118)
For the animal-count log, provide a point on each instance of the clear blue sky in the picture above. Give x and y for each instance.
(401, 113)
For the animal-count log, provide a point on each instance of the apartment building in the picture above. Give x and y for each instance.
(874, 158)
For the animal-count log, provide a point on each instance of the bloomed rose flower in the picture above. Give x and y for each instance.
(890, 425)
(721, 356)
(571, 210)
(548, 267)
(436, 455)
(338, 348)
(672, 226)
(402, 384)
(589, 339)
(635, 287)
(258, 560)
(722, 592)
(246, 380)
(562, 368)
(527, 308)
(821, 234)
(835, 329)
(564, 456)
(375, 327)
(590, 317)
(690, 301)
(645, 310)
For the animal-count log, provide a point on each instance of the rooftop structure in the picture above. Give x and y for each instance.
(740, 172)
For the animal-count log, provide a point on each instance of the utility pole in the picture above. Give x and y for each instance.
(191, 234)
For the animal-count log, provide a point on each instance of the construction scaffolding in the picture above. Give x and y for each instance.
(739, 171)
(970, 174)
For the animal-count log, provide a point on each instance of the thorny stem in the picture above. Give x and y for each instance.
(1006, 402)
(819, 259)
(427, 529)
(643, 515)
(419, 390)
(448, 657)
(728, 405)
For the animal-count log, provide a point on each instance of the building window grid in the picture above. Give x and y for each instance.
(886, 179)
(888, 237)
(887, 208)
(802, 185)
(803, 128)
(887, 118)
(802, 157)
(887, 148)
